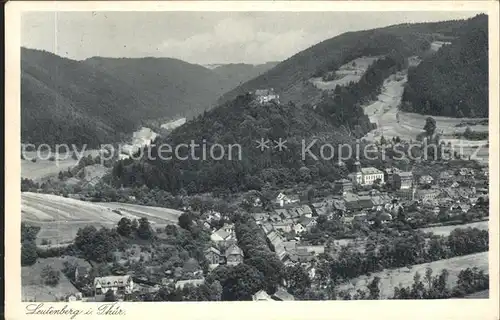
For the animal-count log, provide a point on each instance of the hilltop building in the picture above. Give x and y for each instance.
(266, 95)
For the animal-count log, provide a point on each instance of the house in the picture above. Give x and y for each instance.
(267, 228)
(425, 179)
(81, 272)
(261, 296)
(120, 285)
(304, 210)
(283, 226)
(445, 175)
(403, 180)
(234, 255)
(366, 176)
(260, 216)
(266, 95)
(214, 256)
(193, 282)
(282, 199)
(307, 223)
(282, 213)
(282, 295)
(466, 172)
(343, 185)
(389, 174)
(257, 202)
(298, 228)
(371, 175)
(427, 194)
(224, 234)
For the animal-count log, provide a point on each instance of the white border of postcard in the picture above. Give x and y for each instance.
(421, 309)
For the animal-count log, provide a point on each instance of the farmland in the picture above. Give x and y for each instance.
(60, 217)
(347, 73)
(390, 279)
(446, 230)
(34, 290)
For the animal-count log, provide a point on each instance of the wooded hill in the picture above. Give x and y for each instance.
(334, 118)
(290, 77)
(454, 81)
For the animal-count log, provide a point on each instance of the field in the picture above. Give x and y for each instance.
(479, 295)
(446, 230)
(349, 72)
(394, 123)
(392, 278)
(45, 169)
(60, 218)
(34, 290)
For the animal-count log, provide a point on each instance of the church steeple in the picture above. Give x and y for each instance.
(357, 166)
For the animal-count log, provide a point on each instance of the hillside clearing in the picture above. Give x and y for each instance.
(347, 73)
(60, 217)
(392, 278)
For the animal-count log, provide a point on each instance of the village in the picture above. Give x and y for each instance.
(367, 197)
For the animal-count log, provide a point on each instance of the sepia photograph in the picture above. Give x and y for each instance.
(218, 156)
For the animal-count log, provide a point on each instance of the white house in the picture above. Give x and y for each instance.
(118, 284)
(366, 176)
(283, 199)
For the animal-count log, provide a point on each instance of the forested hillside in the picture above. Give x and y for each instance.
(290, 77)
(454, 81)
(99, 100)
(241, 121)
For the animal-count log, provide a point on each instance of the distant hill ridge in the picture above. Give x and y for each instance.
(290, 77)
(99, 100)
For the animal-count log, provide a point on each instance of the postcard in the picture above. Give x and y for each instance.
(257, 160)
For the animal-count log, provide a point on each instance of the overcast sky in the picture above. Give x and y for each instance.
(201, 37)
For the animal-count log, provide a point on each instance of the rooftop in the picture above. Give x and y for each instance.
(370, 170)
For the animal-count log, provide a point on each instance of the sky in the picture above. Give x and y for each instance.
(201, 37)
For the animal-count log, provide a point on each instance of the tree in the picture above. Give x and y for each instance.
(50, 276)
(28, 232)
(383, 141)
(185, 220)
(297, 280)
(430, 126)
(124, 227)
(144, 230)
(28, 253)
(374, 289)
(241, 283)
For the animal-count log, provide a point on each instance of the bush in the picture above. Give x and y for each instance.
(28, 253)
(50, 276)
